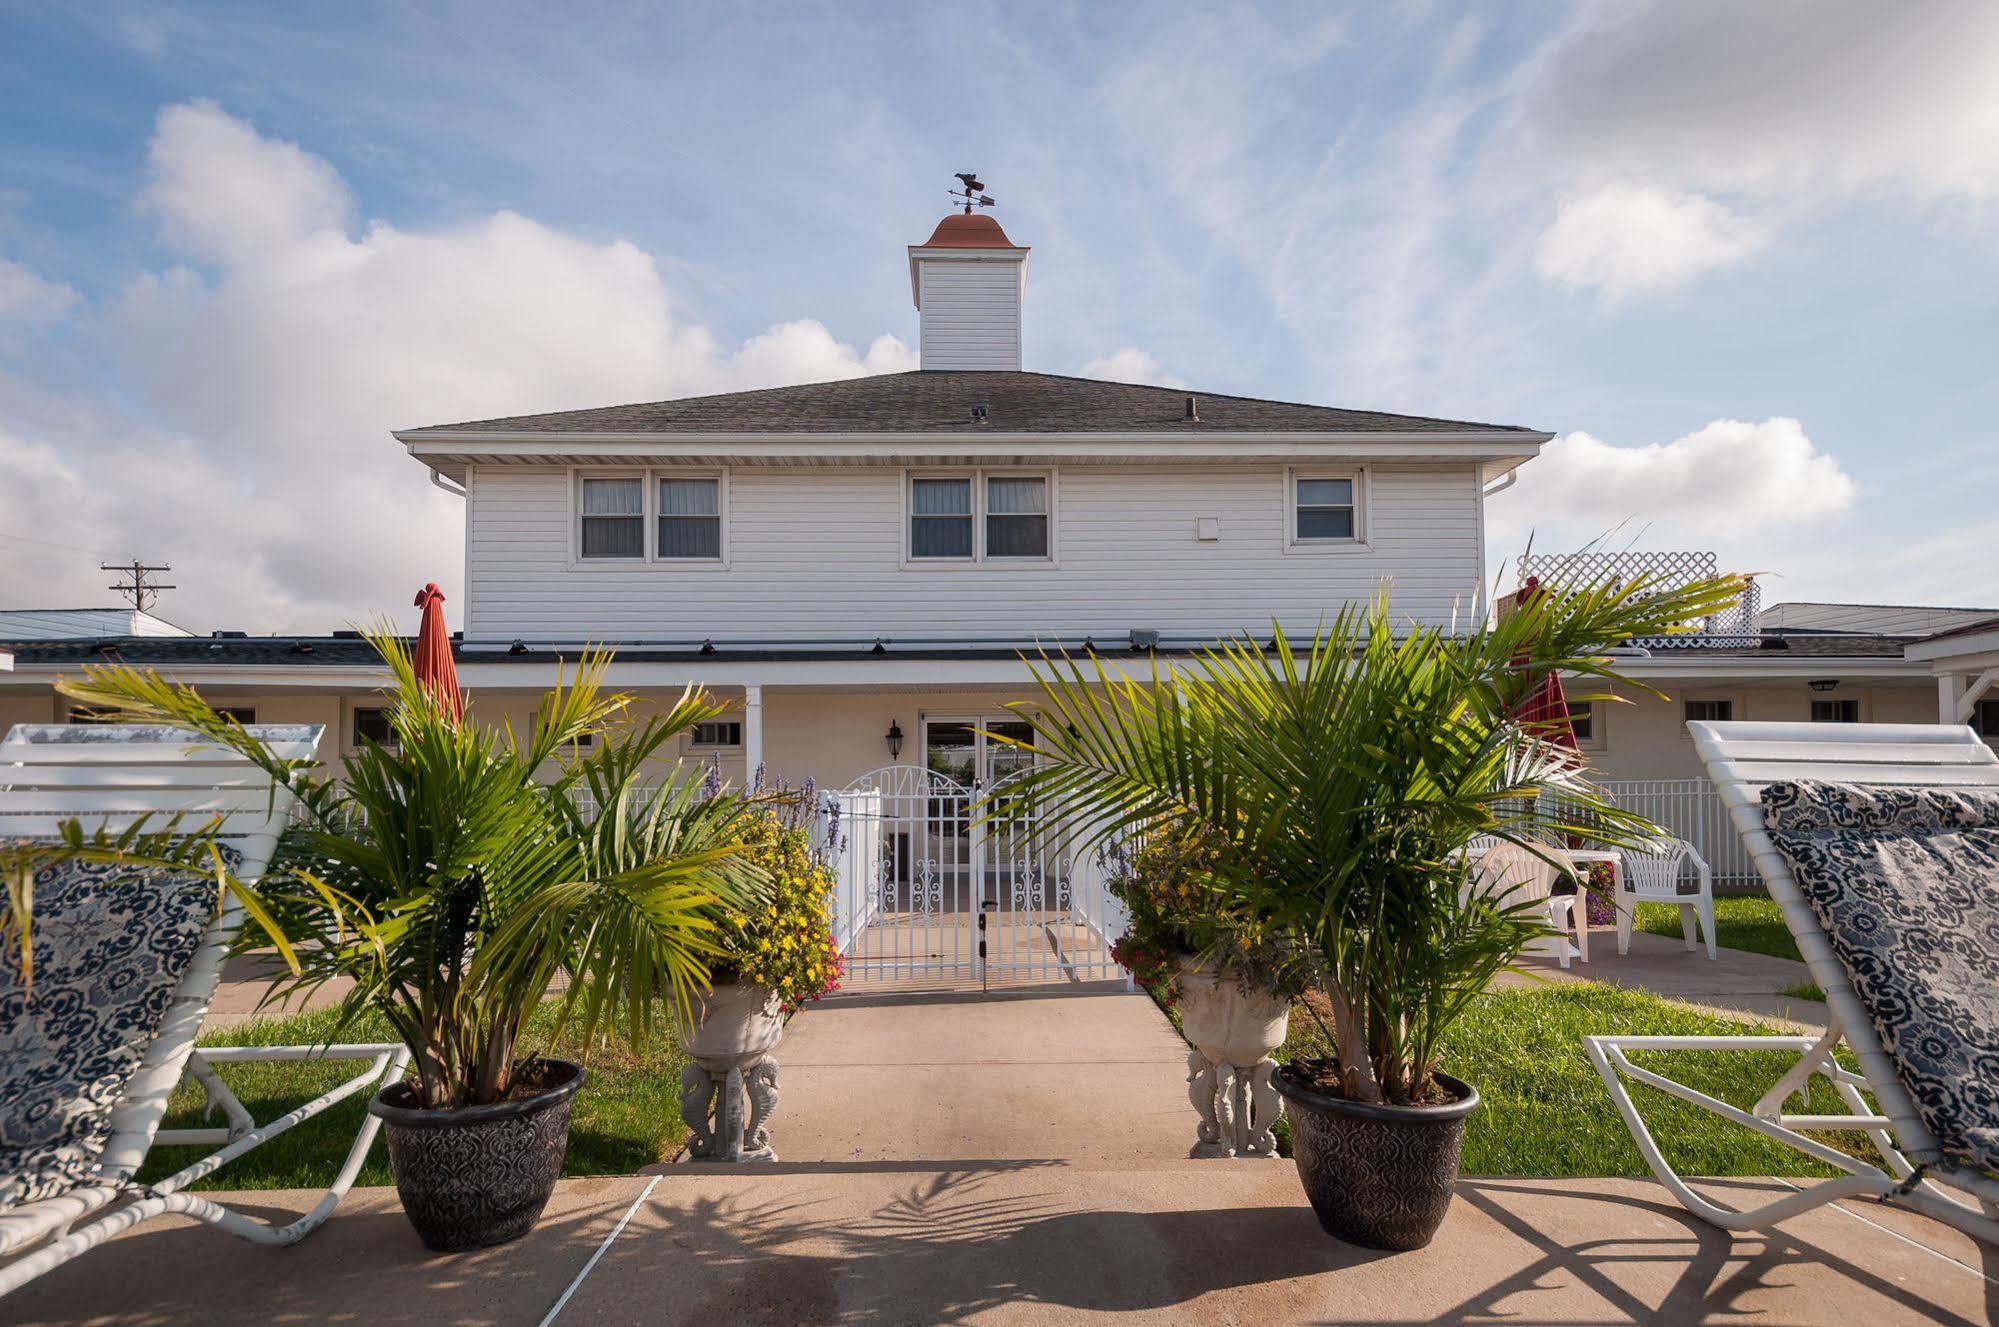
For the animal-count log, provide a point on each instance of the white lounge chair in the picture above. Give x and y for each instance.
(1857, 805)
(1654, 877)
(69, 1189)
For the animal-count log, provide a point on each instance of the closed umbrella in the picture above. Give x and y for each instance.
(1545, 710)
(435, 670)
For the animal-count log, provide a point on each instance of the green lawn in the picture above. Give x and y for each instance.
(626, 1116)
(1546, 1112)
(1741, 921)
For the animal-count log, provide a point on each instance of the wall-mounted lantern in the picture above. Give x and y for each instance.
(894, 739)
(1823, 684)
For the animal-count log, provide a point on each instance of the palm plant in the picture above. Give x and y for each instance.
(453, 885)
(1342, 784)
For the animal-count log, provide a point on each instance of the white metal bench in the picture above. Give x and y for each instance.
(1742, 759)
(109, 776)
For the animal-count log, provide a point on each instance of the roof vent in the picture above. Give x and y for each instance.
(979, 413)
(229, 635)
(707, 647)
(1143, 639)
(1193, 411)
(347, 634)
(518, 647)
(301, 647)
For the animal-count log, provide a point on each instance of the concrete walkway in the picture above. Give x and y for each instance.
(1034, 1076)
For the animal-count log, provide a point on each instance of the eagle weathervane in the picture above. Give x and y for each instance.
(973, 194)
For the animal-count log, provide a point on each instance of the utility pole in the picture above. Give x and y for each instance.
(143, 593)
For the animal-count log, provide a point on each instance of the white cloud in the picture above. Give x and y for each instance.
(256, 457)
(1625, 239)
(29, 298)
(1130, 364)
(226, 193)
(1726, 479)
(1836, 96)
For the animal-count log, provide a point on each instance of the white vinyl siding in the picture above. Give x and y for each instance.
(970, 314)
(822, 553)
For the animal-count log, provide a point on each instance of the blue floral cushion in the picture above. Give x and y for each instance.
(111, 944)
(1905, 882)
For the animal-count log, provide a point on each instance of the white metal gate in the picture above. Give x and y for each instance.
(925, 892)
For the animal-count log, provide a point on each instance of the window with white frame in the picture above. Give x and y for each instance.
(1016, 516)
(940, 518)
(613, 517)
(716, 733)
(1582, 722)
(1325, 508)
(650, 516)
(1708, 711)
(690, 518)
(1836, 711)
(979, 517)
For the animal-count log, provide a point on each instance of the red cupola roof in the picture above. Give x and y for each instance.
(959, 231)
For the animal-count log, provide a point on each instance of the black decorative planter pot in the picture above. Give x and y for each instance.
(1378, 1176)
(479, 1175)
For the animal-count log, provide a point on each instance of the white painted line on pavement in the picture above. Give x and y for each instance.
(616, 1231)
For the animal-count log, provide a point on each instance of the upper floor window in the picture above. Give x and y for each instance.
(979, 517)
(1016, 516)
(1327, 508)
(690, 518)
(650, 516)
(614, 518)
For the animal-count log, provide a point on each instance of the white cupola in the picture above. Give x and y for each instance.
(968, 280)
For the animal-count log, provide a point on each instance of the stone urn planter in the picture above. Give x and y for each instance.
(479, 1175)
(1378, 1176)
(728, 1091)
(1229, 1070)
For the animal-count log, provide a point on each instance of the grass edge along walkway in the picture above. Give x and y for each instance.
(627, 1114)
(1546, 1114)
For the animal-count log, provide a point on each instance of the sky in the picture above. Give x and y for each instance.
(1740, 258)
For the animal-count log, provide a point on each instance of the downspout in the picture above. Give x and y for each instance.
(1500, 485)
(445, 484)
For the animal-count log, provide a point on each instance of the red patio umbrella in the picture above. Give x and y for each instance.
(435, 670)
(1545, 709)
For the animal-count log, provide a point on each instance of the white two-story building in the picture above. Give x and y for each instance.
(861, 559)
(857, 567)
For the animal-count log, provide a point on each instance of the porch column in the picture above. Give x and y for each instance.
(753, 730)
(1947, 686)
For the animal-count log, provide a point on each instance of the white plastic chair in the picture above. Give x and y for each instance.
(1654, 877)
(1742, 758)
(1505, 869)
(110, 775)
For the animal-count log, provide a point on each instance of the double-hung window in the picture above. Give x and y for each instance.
(1326, 509)
(979, 517)
(614, 518)
(650, 516)
(940, 518)
(1016, 516)
(1836, 711)
(690, 518)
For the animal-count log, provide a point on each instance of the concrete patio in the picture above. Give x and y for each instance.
(956, 1158)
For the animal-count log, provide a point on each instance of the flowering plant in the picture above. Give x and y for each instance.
(1170, 886)
(784, 941)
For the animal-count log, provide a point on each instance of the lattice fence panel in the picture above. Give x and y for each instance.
(1736, 626)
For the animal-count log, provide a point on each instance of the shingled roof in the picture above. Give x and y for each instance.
(938, 400)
